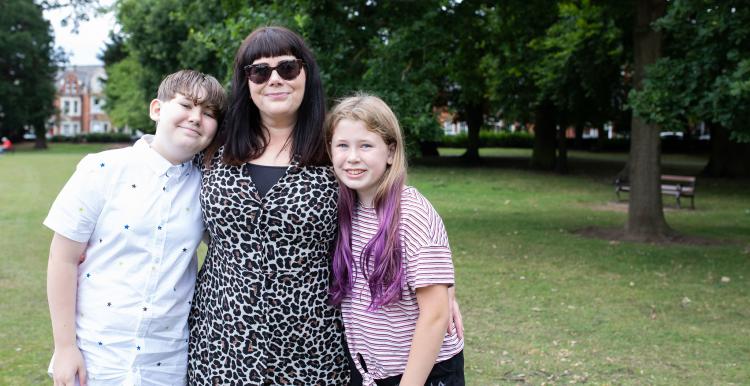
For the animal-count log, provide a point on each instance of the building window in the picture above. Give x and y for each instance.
(66, 107)
(75, 108)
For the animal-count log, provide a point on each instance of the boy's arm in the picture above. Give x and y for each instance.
(62, 285)
(434, 315)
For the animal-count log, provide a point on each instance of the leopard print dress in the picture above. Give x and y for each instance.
(259, 314)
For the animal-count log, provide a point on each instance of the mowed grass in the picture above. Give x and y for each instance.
(541, 304)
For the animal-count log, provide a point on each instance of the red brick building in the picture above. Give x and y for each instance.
(80, 102)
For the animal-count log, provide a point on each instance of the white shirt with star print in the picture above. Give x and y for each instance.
(141, 218)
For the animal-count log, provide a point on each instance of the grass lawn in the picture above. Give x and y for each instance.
(541, 304)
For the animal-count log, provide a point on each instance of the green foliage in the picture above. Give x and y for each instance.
(160, 37)
(580, 59)
(127, 102)
(211, 46)
(405, 69)
(518, 139)
(508, 72)
(704, 74)
(27, 68)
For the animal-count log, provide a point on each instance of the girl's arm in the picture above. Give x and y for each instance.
(62, 284)
(434, 315)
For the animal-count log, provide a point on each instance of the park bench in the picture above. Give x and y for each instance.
(677, 186)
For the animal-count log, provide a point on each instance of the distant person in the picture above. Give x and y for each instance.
(7, 145)
(120, 316)
(392, 265)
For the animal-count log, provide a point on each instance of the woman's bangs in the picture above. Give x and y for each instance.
(268, 43)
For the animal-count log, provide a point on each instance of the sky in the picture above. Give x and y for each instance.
(82, 48)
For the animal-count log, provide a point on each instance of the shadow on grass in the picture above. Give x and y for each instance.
(618, 234)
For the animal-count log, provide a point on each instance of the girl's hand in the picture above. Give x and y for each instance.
(68, 363)
(456, 318)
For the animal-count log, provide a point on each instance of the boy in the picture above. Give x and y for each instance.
(120, 316)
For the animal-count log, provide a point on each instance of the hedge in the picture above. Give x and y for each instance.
(93, 138)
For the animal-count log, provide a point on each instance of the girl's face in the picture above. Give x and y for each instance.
(360, 158)
(278, 98)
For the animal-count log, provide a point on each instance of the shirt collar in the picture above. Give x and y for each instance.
(156, 162)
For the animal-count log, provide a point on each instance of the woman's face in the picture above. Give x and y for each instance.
(278, 99)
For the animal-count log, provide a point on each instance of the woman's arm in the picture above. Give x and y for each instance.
(455, 317)
(434, 315)
(62, 284)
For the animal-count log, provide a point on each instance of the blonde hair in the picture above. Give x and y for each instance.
(379, 119)
(383, 252)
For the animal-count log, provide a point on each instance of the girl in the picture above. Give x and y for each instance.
(392, 264)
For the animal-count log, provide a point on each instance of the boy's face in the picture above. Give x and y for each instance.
(182, 128)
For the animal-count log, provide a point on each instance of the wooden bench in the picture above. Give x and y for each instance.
(677, 186)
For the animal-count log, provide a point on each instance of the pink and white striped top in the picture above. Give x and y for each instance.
(383, 337)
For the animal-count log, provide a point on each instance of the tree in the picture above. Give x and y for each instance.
(27, 70)
(511, 84)
(416, 55)
(645, 212)
(79, 10)
(126, 102)
(578, 74)
(703, 77)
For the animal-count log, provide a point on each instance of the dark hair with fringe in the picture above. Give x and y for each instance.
(241, 133)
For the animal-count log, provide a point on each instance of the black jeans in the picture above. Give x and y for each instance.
(449, 372)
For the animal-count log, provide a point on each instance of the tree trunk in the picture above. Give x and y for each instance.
(543, 156)
(428, 149)
(728, 158)
(579, 137)
(561, 165)
(41, 136)
(601, 138)
(645, 213)
(475, 120)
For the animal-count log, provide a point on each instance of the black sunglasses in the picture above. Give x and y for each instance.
(287, 70)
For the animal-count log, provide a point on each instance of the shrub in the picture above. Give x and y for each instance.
(491, 139)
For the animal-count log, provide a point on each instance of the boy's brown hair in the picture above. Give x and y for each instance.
(201, 88)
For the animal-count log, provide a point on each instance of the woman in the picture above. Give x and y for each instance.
(260, 313)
